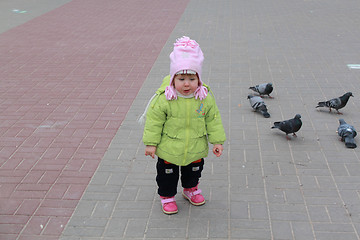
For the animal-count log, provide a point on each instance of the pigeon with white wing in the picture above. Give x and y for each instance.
(263, 89)
(347, 133)
(258, 104)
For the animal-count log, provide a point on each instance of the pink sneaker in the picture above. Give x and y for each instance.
(194, 196)
(169, 205)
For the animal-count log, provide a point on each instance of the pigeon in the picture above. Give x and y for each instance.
(289, 126)
(336, 103)
(347, 133)
(258, 104)
(263, 89)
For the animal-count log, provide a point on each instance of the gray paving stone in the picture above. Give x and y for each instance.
(198, 228)
(239, 210)
(116, 227)
(103, 209)
(338, 214)
(88, 221)
(101, 178)
(123, 213)
(165, 223)
(302, 230)
(218, 228)
(166, 233)
(85, 232)
(335, 227)
(282, 230)
(288, 216)
(100, 196)
(323, 201)
(258, 211)
(259, 234)
(335, 235)
(85, 208)
(135, 228)
(103, 188)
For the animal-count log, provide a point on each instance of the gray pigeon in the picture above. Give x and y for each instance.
(263, 89)
(258, 104)
(347, 133)
(336, 103)
(289, 126)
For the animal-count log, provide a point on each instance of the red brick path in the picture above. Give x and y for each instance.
(67, 80)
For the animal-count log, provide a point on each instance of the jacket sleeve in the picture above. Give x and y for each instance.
(155, 119)
(214, 126)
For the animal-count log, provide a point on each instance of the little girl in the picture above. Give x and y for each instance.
(181, 119)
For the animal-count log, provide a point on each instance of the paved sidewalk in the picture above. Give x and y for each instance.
(263, 187)
(67, 80)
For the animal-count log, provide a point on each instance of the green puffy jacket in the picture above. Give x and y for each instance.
(182, 128)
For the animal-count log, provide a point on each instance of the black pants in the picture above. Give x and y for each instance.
(168, 176)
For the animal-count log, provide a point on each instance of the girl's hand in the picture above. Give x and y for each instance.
(218, 149)
(150, 151)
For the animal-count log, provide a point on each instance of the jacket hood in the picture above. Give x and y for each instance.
(161, 90)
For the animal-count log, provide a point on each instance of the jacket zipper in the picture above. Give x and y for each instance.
(187, 133)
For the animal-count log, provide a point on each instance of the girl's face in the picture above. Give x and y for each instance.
(186, 84)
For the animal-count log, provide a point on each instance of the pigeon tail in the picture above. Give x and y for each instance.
(265, 114)
(350, 142)
(253, 88)
(264, 111)
(276, 125)
(321, 104)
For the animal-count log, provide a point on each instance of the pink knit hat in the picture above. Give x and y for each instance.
(186, 55)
